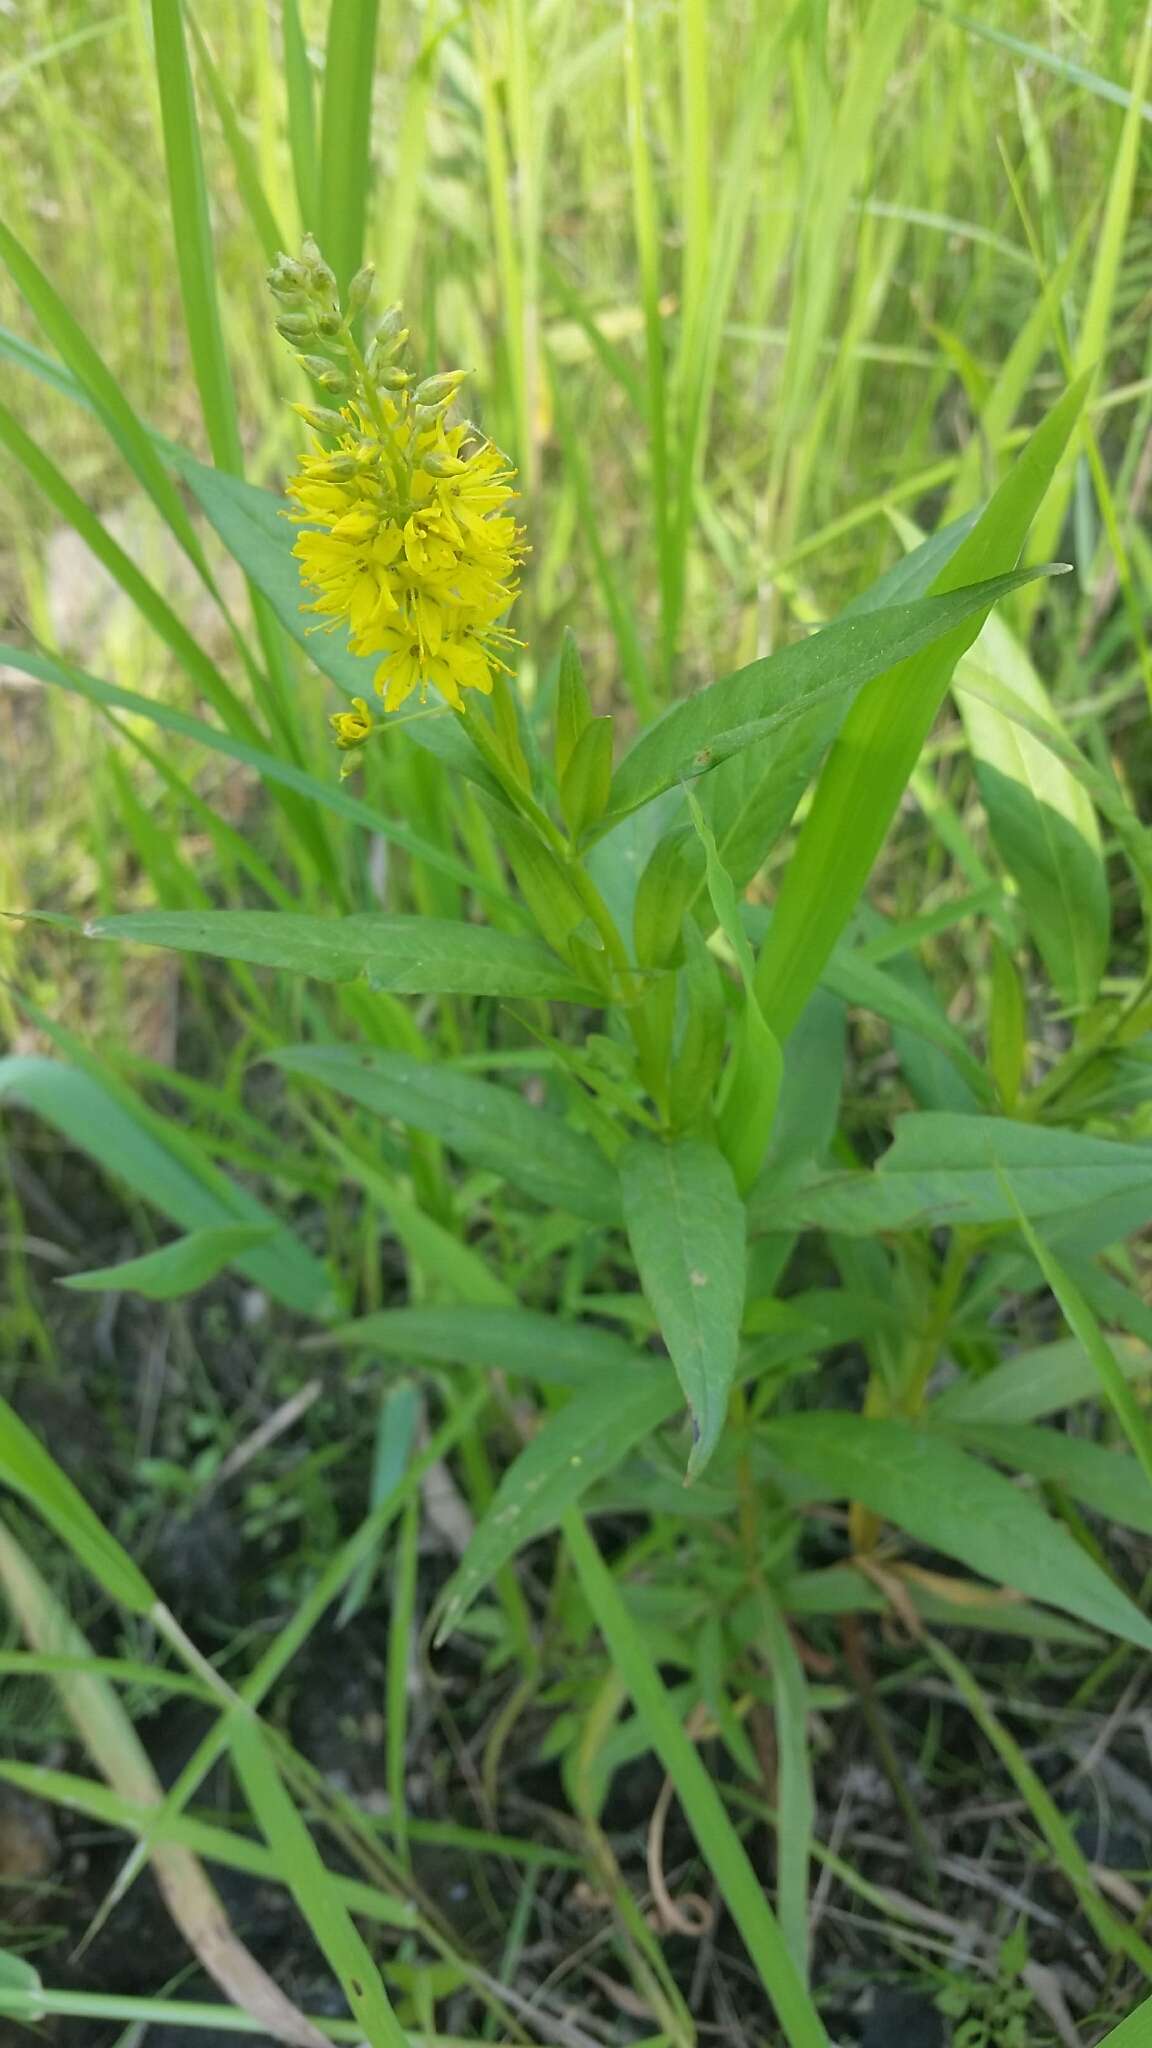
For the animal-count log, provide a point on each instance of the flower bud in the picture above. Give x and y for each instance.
(329, 374)
(391, 330)
(360, 290)
(438, 462)
(322, 419)
(287, 277)
(441, 390)
(296, 327)
(320, 277)
(390, 378)
(337, 470)
(329, 322)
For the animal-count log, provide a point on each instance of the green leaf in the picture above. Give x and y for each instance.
(175, 1269)
(31, 1471)
(951, 1502)
(127, 1142)
(409, 955)
(943, 1168)
(1107, 1481)
(1033, 1384)
(587, 778)
(1082, 1322)
(818, 675)
(864, 778)
(574, 1449)
(488, 1125)
(19, 1985)
(746, 1109)
(519, 1341)
(1042, 823)
(573, 704)
(686, 1226)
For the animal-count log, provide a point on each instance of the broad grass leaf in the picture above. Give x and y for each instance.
(807, 685)
(408, 955)
(1108, 1481)
(943, 1168)
(951, 1502)
(31, 1471)
(686, 1226)
(175, 1269)
(1033, 1384)
(876, 750)
(129, 1146)
(519, 1341)
(576, 1447)
(488, 1125)
(1042, 822)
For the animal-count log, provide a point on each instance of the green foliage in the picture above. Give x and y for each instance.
(709, 1057)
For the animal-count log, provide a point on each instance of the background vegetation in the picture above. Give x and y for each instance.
(756, 295)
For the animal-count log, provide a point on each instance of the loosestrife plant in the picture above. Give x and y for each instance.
(584, 910)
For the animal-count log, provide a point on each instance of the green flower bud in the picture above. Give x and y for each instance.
(329, 322)
(287, 276)
(360, 290)
(319, 274)
(320, 368)
(439, 391)
(322, 419)
(391, 330)
(390, 378)
(296, 327)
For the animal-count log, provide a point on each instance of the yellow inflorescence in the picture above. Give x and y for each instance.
(405, 537)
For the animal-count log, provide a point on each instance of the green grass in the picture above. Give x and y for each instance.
(757, 298)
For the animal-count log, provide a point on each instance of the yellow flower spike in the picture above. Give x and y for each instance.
(405, 533)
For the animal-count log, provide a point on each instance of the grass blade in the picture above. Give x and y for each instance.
(721, 1845)
(301, 115)
(345, 171)
(195, 256)
(313, 1886)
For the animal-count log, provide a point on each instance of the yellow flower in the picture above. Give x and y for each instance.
(353, 727)
(406, 539)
